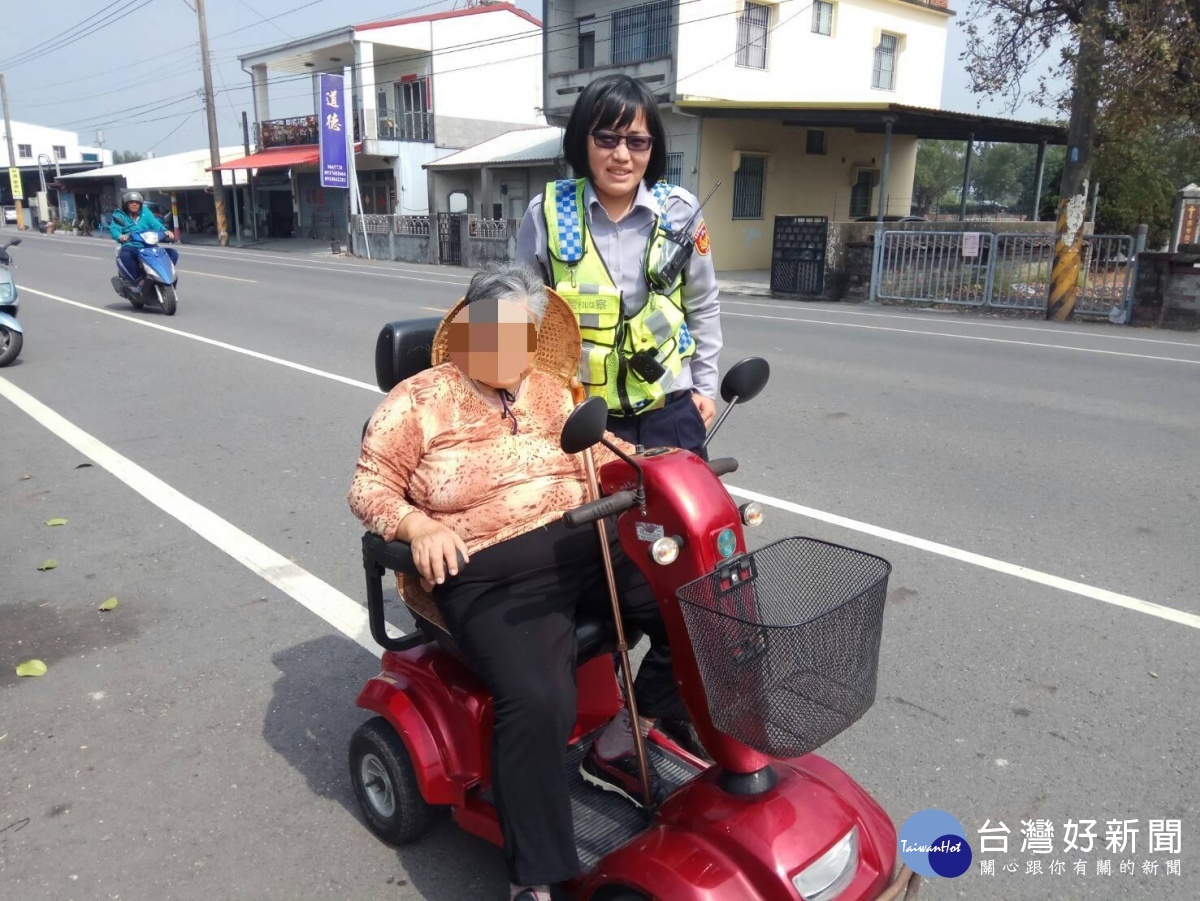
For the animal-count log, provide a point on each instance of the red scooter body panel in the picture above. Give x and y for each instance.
(684, 499)
(708, 845)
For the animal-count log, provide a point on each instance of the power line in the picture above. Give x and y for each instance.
(41, 51)
(8, 63)
(189, 118)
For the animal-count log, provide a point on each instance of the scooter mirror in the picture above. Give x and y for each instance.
(14, 242)
(745, 380)
(585, 425)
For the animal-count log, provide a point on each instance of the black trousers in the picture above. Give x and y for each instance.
(512, 611)
(677, 424)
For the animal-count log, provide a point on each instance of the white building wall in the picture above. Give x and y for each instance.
(803, 66)
(43, 140)
(488, 67)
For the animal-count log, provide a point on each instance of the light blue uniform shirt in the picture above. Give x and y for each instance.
(622, 246)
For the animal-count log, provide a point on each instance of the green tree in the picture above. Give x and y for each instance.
(1000, 172)
(126, 156)
(1139, 175)
(939, 169)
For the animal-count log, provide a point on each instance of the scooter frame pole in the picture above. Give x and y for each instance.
(639, 745)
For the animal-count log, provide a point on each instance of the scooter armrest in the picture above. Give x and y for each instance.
(393, 555)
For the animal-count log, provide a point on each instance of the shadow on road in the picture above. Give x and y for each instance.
(309, 722)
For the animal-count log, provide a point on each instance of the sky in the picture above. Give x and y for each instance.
(132, 67)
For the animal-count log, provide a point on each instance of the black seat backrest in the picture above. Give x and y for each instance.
(402, 350)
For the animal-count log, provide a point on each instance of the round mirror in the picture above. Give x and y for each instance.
(745, 380)
(585, 425)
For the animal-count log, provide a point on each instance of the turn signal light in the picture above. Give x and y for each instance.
(665, 551)
(752, 513)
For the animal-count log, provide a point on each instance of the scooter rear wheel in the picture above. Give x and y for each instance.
(10, 345)
(386, 785)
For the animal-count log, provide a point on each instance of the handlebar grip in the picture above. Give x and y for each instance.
(723, 466)
(594, 510)
(393, 555)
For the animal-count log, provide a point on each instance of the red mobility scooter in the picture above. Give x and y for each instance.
(775, 652)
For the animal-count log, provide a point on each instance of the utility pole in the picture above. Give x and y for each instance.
(214, 147)
(12, 156)
(1073, 192)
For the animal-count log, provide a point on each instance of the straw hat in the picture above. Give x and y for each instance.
(559, 344)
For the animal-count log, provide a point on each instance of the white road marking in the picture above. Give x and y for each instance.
(341, 612)
(249, 281)
(1000, 566)
(84, 256)
(299, 367)
(1056, 329)
(913, 331)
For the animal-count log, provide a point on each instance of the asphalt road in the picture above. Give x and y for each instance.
(1035, 487)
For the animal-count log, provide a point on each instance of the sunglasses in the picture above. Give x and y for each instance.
(608, 140)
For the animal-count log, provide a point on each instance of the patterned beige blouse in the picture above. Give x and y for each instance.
(437, 446)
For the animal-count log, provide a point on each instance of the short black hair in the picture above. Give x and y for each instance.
(614, 101)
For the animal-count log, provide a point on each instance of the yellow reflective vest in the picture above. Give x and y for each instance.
(613, 343)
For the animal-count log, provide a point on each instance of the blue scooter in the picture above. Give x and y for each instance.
(11, 334)
(158, 282)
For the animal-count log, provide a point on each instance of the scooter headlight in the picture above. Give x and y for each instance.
(752, 514)
(665, 551)
(827, 876)
(6, 291)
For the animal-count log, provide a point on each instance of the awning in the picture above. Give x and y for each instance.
(275, 158)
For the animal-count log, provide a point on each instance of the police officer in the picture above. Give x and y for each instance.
(603, 242)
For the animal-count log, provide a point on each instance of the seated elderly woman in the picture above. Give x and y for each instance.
(465, 457)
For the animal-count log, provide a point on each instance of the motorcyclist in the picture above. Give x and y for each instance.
(127, 224)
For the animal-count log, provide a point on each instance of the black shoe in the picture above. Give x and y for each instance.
(684, 734)
(118, 286)
(621, 775)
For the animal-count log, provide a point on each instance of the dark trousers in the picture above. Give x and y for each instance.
(129, 267)
(677, 424)
(512, 611)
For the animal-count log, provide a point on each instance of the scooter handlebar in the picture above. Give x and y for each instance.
(594, 510)
(723, 466)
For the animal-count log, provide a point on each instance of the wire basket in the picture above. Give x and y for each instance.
(787, 642)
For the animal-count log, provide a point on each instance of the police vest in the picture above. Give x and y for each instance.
(610, 338)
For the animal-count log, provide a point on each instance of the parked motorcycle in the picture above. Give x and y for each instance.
(11, 334)
(159, 280)
(775, 652)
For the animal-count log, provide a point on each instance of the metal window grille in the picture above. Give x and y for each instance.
(752, 25)
(884, 74)
(587, 42)
(60, 152)
(413, 115)
(748, 188)
(822, 21)
(25, 151)
(814, 141)
(674, 173)
(860, 196)
(641, 32)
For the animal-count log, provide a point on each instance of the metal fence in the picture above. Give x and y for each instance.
(1004, 271)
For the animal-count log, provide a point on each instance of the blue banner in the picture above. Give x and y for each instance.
(334, 122)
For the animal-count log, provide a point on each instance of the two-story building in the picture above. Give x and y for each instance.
(43, 154)
(422, 87)
(784, 102)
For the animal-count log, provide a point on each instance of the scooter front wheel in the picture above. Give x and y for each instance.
(10, 345)
(386, 785)
(167, 298)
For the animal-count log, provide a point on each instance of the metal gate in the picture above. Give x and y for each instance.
(450, 237)
(798, 254)
(1004, 271)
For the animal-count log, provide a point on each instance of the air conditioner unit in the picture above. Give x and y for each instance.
(857, 171)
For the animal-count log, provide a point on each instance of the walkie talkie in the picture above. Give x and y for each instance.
(677, 250)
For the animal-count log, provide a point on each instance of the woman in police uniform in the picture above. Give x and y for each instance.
(650, 344)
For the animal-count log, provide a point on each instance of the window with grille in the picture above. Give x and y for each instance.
(752, 27)
(860, 196)
(674, 173)
(884, 75)
(814, 141)
(748, 187)
(25, 151)
(60, 152)
(414, 114)
(587, 42)
(822, 22)
(641, 32)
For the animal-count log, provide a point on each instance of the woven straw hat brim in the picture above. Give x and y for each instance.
(559, 344)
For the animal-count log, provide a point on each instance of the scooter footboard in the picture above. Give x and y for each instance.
(10, 323)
